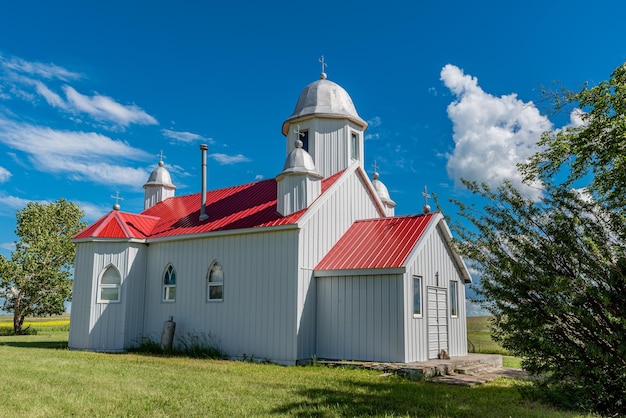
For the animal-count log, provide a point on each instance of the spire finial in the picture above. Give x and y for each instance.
(117, 198)
(375, 175)
(426, 207)
(161, 157)
(324, 65)
(299, 134)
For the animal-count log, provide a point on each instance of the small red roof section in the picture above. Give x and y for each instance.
(377, 243)
(250, 205)
(118, 224)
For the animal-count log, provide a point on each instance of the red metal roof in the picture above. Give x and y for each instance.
(246, 206)
(377, 243)
(116, 224)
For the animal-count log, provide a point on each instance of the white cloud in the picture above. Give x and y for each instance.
(224, 159)
(93, 212)
(184, 136)
(5, 174)
(20, 77)
(11, 204)
(47, 71)
(51, 97)
(80, 155)
(374, 122)
(258, 177)
(491, 134)
(576, 119)
(9, 246)
(103, 107)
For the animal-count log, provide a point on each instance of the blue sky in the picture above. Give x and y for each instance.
(91, 92)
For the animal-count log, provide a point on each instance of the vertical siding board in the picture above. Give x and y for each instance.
(254, 294)
(345, 204)
(363, 329)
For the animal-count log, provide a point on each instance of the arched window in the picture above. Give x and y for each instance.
(215, 283)
(169, 284)
(109, 286)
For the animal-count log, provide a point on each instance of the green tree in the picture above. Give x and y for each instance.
(553, 272)
(36, 280)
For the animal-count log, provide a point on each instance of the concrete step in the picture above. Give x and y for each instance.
(476, 369)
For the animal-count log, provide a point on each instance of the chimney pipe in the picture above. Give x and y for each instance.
(203, 215)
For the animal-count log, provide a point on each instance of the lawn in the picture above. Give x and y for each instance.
(42, 378)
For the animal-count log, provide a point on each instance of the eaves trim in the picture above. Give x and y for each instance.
(359, 272)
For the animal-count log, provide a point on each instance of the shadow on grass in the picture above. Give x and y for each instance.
(52, 344)
(402, 398)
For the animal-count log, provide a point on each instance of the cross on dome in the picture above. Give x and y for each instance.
(324, 65)
(375, 175)
(299, 134)
(426, 207)
(161, 157)
(117, 198)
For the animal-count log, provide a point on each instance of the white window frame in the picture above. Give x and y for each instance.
(214, 283)
(354, 145)
(454, 298)
(168, 288)
(107, 286)
(419, 281)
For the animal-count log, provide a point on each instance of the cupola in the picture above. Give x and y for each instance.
(383, 194)
(159, 186)
(329, 126)
(299, 184)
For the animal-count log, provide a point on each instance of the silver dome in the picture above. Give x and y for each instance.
(300, 161)
(381, 190)
(159, 177)
(324, 98)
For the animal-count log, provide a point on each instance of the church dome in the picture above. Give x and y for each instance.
(300, 161)
(324, 98)
(159, 177)
(381, 189)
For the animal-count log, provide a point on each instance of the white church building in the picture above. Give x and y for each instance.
(310, 263)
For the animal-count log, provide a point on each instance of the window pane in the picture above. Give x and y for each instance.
(169, 293)
(417, 296)
(453, 304)
(216, 274)
(216, 292)
(170, 276)
(111, 276)
(109, 293)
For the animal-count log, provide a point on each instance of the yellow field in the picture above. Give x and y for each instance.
(51, 321)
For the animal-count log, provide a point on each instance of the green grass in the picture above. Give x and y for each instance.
(479, 336)
(42, 378)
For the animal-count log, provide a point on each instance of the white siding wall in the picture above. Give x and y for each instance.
(345, 204)
(296, 192)
(431, 258)
(258, 314)
(360, 318)
(107, 326)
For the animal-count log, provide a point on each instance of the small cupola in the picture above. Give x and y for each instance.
(383, 194)
(159, 186)
(299, 184)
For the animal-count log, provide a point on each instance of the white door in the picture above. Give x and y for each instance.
(437, 312)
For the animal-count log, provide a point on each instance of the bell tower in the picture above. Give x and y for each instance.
(329, 127)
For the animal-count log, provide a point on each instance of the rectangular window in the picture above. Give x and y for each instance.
(109, 293)
(354, 146)
(417, 297)
(304, 137)
(454, 309)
